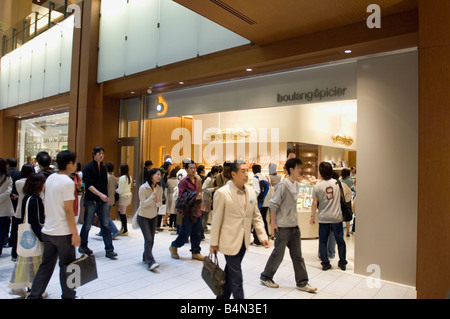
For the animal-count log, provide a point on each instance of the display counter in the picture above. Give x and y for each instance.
(304, 202)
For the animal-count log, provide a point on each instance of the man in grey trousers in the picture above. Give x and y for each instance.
(284, 220)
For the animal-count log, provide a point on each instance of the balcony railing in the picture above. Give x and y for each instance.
(41, 19)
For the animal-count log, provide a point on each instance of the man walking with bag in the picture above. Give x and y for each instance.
(192, 216)
(235, 210)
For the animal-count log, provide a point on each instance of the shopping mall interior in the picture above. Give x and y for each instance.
(356, 85)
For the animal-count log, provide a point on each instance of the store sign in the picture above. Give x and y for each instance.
(313, 95)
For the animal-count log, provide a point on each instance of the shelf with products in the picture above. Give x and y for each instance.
(304, 203)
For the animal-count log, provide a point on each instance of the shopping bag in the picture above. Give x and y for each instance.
(134, 221)
(28, 245)
(213, 275)
(81, 271)
(162, 210)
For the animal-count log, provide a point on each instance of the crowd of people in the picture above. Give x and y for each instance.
(184, 199)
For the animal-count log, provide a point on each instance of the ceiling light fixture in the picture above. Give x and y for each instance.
(348, 51)
(249, 70)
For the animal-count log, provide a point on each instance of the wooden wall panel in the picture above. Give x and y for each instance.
(433, 244)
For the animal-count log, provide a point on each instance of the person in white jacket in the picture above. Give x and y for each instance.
(124, 191)
(150, 199)
(235, 210)
(6, 207)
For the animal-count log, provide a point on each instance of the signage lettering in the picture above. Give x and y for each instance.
(309, 96)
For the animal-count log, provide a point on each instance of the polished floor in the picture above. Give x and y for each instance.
(128, 278)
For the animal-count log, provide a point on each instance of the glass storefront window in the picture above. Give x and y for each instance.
(129, 118)
(45, 133)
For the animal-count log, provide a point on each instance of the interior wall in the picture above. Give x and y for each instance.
(387, 168)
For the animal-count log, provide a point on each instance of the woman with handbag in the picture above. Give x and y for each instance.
(150, 198)
(32, 212)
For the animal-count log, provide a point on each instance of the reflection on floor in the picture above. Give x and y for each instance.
(128, 277)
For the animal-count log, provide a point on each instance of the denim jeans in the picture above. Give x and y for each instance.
(233, 276)
(112, 226)
(331, 246)
(287, 237)
(54, 247)
(192, 229)
(324, 232)
(263, 212)
(102, 211)
(148, 228)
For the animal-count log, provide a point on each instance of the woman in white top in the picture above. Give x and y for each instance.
(172, 183)
(6, 207)
(150, 199)
(124, 191)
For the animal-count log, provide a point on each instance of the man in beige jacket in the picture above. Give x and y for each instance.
(235, 210)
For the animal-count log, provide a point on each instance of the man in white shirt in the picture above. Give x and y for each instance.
(60, 234)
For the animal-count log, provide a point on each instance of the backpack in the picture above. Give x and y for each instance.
(264, 187)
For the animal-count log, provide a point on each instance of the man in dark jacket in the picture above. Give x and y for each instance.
(95, 178)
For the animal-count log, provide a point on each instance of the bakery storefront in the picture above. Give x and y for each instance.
(311, 113)
(355, 113)
(44, 133)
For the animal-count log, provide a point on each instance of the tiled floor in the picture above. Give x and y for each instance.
(128, 278)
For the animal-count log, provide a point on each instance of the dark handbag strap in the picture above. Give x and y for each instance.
(215, 260)
(342, 190)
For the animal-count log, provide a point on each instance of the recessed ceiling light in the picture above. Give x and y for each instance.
(348, 51)
(132, 92)
(181, 82)
(249, 70)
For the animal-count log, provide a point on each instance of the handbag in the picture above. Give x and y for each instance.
(28, 244)
(346, 207)
(134, 221)
(162, 209)
(81, 271)
(213, 275)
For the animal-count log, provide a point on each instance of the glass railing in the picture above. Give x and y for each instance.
(42, 18)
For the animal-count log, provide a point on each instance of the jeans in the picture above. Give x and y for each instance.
(112, 226)
(233, 276)
(13, 239)
(263, 212)
(148, 228)
(54, 247)
(192, 229)
(287, 237)
(331, 246)
(102, 211)
(324, 232)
